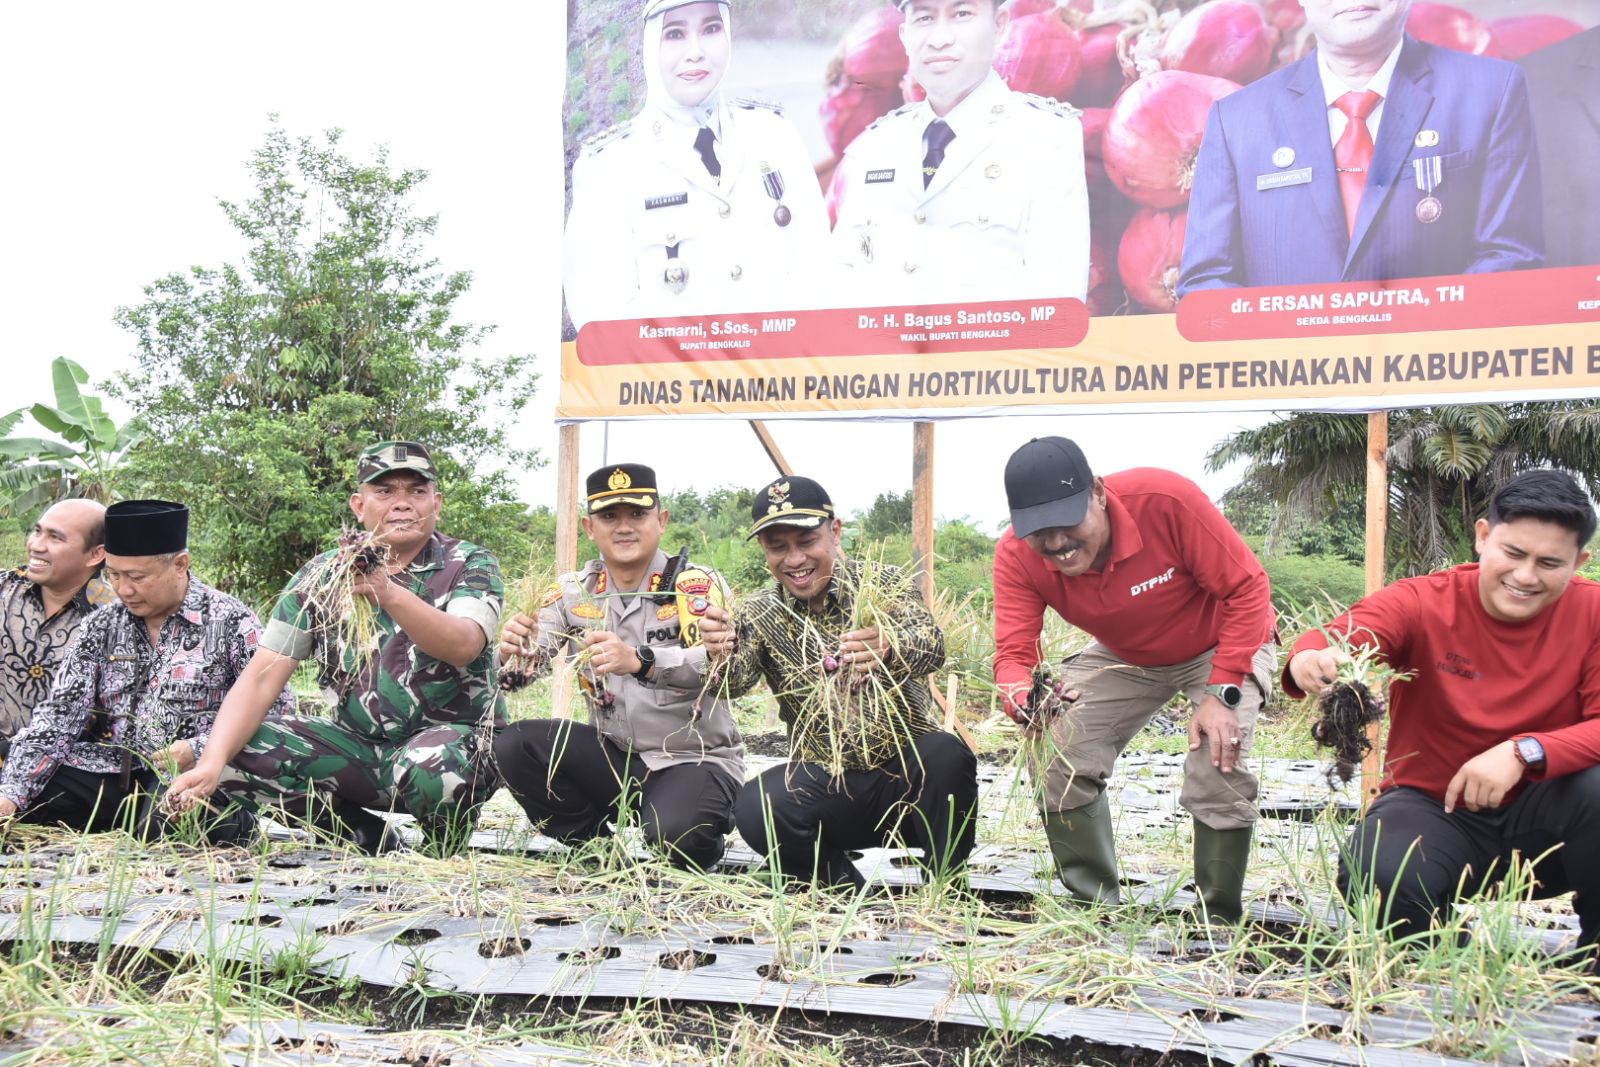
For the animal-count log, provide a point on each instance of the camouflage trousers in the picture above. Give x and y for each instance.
(441, 775)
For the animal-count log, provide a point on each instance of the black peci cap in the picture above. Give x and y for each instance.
(1048, 483)
(622, 483)
(790, 501)
(146, 528)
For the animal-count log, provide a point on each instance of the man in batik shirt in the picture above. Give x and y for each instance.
(414, 717)
(42, 603)
(846, 647)
(138, 691)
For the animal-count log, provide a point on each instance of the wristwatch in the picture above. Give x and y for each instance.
(647, 661)
(1230, 695)
(1530, 753)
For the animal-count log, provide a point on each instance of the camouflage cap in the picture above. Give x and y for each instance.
(387, 456)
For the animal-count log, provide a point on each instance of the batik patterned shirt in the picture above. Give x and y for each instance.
(32, 644)
(117, 696)
(391, 692)
(782, 640)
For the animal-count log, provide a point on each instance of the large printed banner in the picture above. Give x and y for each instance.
(843, 208)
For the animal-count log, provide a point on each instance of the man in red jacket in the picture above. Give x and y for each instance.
(1176, 603)
(1495, 738)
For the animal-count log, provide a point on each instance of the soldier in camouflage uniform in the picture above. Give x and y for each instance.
(868, 760)
(653, 743)
(414, 716)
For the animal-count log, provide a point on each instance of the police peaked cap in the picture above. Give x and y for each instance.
(622, 483)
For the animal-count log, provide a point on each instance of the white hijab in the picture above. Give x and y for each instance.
(657, 97)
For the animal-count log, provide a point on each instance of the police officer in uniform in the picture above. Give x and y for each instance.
(976, 192)
(699, 204)
(657, 742)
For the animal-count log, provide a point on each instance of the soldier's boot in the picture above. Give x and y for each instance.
(1085, 853)
(236, 827)
(1220, 859)
(370, 833)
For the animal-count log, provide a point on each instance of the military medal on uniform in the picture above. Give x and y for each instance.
(1429, 173)
(772, 181)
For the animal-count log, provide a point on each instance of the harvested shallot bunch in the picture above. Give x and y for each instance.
(1358, 697)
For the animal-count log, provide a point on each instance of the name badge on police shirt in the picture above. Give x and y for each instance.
(874, 177)
(1283, 178)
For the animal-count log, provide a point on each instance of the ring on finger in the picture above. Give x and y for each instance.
(1236, 741)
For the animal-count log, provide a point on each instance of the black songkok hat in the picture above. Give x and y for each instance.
(146, 528)
(622, 483)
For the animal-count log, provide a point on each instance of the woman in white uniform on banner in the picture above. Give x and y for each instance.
(700, 204)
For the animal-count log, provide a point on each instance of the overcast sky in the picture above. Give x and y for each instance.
(124, 124)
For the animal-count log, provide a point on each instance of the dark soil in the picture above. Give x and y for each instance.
(1345, 709)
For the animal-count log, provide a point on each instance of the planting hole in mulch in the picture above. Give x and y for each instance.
(310, 902)
(885, 979)
(263, 920)
(555, 920)
(417, 935)
(1212, 1015)
(732, 939)
(501, 947)
(597, 954)
(686, 959)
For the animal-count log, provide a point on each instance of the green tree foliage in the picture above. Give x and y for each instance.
(89, 459)
(259, 382)
(1444, 465)
(889, 514)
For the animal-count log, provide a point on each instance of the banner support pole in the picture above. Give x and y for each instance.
(1377, 538)
(922, 506)
(770, 446)
(566, 551)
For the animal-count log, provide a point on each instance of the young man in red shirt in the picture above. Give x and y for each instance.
(1176, 603)
(1495, 738)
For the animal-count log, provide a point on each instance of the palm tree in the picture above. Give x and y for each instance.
(92, 453)
(1444, 465)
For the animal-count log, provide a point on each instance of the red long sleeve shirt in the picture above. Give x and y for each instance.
(1478, 681)
(1179, 581)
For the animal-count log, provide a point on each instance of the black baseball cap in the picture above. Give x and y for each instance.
(1048, 483)
(622, 483)
(790, 501)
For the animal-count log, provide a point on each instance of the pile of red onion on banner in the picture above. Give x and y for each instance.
(1145, 74)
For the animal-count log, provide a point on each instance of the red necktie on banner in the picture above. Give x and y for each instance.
(1353, 154)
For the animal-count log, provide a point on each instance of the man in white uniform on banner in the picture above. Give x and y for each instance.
(702, 203)
(975, 193)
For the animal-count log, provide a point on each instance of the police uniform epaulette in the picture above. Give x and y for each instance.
(750, 103)
(595, 143)
(1047, 103)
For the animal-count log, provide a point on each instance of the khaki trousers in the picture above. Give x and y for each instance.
(1117, 699)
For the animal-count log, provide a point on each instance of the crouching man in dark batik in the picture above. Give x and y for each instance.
(136, 694)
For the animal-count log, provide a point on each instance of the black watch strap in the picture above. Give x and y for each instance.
(647, 661)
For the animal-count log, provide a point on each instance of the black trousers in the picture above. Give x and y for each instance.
(685, 810)
(927, 796)
(94, 803)
(1420, 883)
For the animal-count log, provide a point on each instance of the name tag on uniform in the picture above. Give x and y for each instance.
(875, 177)
(653, 202)
(1279, 179)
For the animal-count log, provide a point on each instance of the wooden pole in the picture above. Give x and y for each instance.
(566, 551)
(770, 446)
(922, 507)
(1377, 538)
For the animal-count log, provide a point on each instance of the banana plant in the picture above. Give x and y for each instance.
(86, 461)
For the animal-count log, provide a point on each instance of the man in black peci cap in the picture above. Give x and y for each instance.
(631, 619)
(846, 646)
(1175, 602)
(136, 696)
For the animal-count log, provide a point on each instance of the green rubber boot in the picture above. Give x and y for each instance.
(1220, 859)
(1086, 858)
